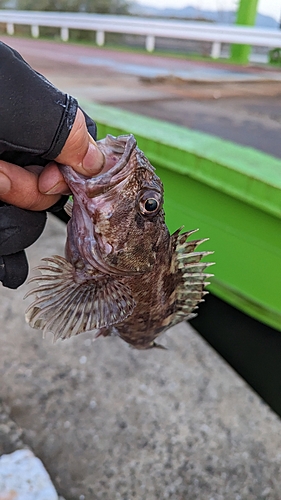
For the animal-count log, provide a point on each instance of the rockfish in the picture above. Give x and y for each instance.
(123, 273)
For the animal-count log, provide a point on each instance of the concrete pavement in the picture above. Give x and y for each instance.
(112, 423)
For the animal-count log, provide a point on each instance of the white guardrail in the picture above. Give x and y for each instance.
(149, 28)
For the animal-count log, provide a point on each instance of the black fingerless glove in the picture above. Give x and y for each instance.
(18, 230)
(21, 228)
(35, 121)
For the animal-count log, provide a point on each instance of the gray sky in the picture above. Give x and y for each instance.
(269, 7)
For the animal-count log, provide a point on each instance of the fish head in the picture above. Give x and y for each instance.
(124, 206)
(130, 215)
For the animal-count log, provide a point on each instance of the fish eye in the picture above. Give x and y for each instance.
(150, 202)
(151, 205)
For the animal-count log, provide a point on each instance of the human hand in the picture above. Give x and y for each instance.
(38, 122)
(29, 191)
(37, 188)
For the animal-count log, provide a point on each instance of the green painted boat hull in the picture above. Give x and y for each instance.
(231, 193)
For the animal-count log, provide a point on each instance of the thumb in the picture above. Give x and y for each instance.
(80, 150)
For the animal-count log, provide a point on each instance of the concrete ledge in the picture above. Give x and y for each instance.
(110, 422)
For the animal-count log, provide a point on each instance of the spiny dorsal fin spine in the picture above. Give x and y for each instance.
(190, 290)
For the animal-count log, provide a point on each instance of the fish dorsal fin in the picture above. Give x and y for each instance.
(66, 307)
(193, 280)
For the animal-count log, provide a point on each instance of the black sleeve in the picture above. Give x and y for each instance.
(35, 121)
(35, 117)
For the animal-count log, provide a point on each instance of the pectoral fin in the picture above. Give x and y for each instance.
(67, 308)
(68, 207)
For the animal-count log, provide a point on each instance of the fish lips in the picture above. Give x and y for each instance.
(119, 171)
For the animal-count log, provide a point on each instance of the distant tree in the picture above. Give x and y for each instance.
(97, 6)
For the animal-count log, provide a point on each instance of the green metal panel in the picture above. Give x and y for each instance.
(246, 15)
(232, 193)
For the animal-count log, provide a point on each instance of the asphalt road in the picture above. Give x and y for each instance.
(238, 104)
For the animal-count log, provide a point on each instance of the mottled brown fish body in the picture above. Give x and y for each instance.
(123, 273)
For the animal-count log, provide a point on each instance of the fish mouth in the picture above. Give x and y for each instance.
(117, 152)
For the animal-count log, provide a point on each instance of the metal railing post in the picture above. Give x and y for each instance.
(35, 31)
(100, 38)
(150, 43)
(64, 34)
(246, 16)
(216, 50)
(10, 29)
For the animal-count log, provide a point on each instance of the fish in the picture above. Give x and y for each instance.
(123, 273)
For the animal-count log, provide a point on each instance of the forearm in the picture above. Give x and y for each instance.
(35, 117)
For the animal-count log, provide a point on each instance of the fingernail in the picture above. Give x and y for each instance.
(93, 160)
(92, 140)
(58, 188)
(5, 184)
